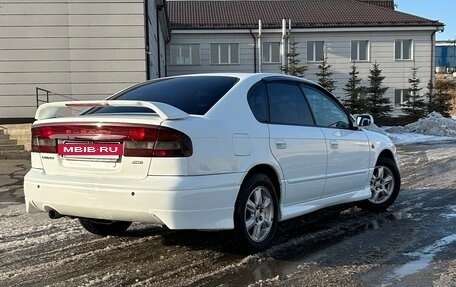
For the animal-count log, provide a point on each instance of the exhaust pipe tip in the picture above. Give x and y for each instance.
(54, 214)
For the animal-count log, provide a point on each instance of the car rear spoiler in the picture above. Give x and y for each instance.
(164, 111)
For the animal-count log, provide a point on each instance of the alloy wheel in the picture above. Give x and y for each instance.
(259, 214)
(382, 184)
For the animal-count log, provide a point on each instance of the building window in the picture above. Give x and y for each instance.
(360, 50)
(403, 49)
(400, 97)
(315, 51)
(271, 52)
(224, 53)
(188, 54)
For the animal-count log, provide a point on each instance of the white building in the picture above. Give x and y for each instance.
(75, 48)
(222, 36)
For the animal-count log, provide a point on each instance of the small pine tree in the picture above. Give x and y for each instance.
(293, 68)
(415, 107)
(355, 102)
(429, 95)
(440, 97)
(324, 75)
(379, 106)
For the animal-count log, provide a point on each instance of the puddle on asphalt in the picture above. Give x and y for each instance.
(291, 256)
(423, 259)
(377, 223)
(452, 214)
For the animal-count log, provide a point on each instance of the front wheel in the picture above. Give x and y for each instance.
(104, 227)
(384, 184)
(255, 216)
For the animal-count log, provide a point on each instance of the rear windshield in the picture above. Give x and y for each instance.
(193, 95)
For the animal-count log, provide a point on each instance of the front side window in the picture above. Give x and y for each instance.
(271, 52)
(360, 50)
(187, 54)
(403, 49)
(288, 105)
(224, 54)
(326, 111)
(192, 94)
(401, 96)
(315, 51)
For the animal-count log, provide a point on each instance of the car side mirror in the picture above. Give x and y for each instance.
(364, 120)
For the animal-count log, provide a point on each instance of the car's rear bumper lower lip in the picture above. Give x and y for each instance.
(199, 202)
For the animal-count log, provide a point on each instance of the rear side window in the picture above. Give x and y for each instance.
(288, 105)
(258, 102)
(193, 95)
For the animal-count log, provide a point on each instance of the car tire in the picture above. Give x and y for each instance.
(255, 214)
(385, 185)
(104, 227)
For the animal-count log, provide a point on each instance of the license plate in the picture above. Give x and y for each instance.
(90, 150)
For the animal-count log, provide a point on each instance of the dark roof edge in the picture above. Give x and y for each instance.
(265, 26)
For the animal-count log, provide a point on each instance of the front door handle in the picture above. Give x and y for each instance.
(333, 144)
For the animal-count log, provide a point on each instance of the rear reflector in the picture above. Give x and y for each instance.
(138, 141)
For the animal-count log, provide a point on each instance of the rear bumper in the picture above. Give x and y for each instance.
(191, 202)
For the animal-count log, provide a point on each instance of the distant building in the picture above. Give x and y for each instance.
(90, 49)
(75, 48)
(445, 56)
(214, 36)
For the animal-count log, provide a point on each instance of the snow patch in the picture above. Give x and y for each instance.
(377, 129)
(434, 124)
(434, 127)
(413, 138)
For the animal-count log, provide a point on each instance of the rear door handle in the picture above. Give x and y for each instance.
(281, 145)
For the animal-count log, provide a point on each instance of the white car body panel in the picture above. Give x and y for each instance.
(190, 202)
(301, 153)
(128, 167)
(348, 161)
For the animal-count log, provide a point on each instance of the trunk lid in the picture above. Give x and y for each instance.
(100, 146)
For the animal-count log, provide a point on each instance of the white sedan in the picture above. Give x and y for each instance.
(209, 152)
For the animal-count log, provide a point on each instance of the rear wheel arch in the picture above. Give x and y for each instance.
(271, 173)
(256, 211)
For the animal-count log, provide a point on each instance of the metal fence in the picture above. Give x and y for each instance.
(46, 96)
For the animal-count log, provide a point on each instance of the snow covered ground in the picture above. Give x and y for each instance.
(432, 128)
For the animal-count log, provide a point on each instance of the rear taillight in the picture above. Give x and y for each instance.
(42, 140)
(139, 141)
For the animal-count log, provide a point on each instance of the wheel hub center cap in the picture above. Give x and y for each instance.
(259, 216)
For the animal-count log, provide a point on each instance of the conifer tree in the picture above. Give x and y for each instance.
(415, 107)
(324, 75)
(354, 92)
(439, 97)
(429, 96)
(379, 106)
(294, 68)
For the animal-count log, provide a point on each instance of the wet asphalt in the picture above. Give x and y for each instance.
(411, 244)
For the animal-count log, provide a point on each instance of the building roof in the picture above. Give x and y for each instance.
(303, 14)
(381, 3)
